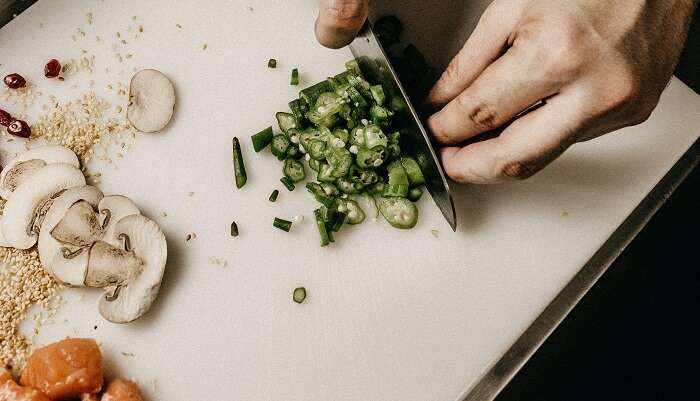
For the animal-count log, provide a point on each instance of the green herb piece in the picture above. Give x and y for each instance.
(234, 229)
(284, 225)
(299, 295)
(262, 139)
(288, 183)
(274, 195)
(238, 165)
(272, 63)
(295, 77)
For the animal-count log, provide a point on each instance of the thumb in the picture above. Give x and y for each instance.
(339, 21)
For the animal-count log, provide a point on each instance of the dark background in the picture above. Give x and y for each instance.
(635, 335)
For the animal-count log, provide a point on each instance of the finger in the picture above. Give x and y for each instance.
(505, 89)
(524, 148)
(339, 21)
(487, 42)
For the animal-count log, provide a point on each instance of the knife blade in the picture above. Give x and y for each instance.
(11, 8)
(375, 64)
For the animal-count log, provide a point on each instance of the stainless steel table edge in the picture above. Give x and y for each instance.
(502, 372)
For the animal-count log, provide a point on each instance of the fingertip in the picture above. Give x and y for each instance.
(437, 127)
(339, 21)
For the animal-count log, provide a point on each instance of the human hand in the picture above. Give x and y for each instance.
(598, 65)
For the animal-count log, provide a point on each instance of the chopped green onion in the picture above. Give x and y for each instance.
(272, 63)
(286, 121)
(295, 77)
(284, 225)
(299, 295)
(288, 183)
(234, 229)
(274, 195)
(378, 94)
(262, 139)
(398, 181)
(238, 165)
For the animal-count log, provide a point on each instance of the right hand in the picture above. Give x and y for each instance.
(339, 21)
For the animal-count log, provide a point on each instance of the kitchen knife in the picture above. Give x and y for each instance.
(376, 66)
(11, 8)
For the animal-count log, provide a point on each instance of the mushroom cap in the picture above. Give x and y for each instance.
(21, 209)
(136, 297)
(25, 164)
(115, 208)
(49, 247)
(71, 271)
(151, 101)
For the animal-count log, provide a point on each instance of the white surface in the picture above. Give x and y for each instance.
(391, 315)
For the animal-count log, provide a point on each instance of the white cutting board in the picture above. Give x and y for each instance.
(391, 315)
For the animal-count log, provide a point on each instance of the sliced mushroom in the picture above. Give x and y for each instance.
(28, 200)
(111, 266)
(112, 209)
(130, 301)
(151, 101)
(71, 270)
(79, 226)
(25, 164)
(69, 266)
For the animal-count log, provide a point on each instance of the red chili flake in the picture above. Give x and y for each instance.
(19, 128)
(52, 68)
(15, 81)
(5, 118)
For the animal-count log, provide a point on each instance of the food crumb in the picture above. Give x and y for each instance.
(190, 237)
(128, 354)
(163, 214)
(564, 214)
(178, 25)
(435, 233)
(205, 46)
(250, 8)
(190, 194)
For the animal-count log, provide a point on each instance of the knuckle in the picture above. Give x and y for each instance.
(482, 116)
(561, 49)
(518, 170)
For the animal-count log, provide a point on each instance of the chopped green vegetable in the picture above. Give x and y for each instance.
(399, 212)
(284, 225)
(280, 145)
(348, 130)
(274, 195)
(413, 171)
(234, 229)
(272, 63)
(238, 165)
(321, 225)
(295, 77)
(294, 170)
(286, 121)
(299, 295)
(415, 194)
(262, 139)
(288, 183)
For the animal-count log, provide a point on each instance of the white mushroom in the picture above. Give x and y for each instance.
(112, 209)
(151, 101)
(127, 302)
(32, 198)
(111, 266)
(65, 266)
(25, 164)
